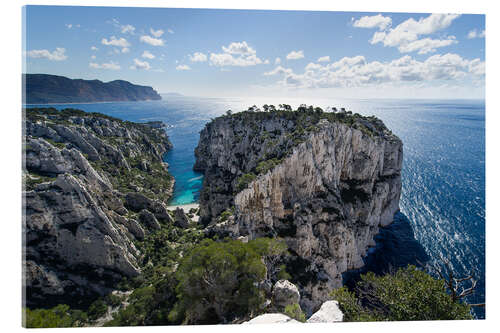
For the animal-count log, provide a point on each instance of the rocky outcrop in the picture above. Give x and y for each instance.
(180, 218)
(325, 182)
(272, 318)
(285, 293)
(79, 236)
(328, 313)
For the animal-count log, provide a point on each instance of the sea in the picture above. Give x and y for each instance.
(443, 196)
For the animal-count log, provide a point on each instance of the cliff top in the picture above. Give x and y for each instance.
(128, 154)
(307, 118)
(70, 116)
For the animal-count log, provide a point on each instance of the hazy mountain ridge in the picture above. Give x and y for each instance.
(46, 88)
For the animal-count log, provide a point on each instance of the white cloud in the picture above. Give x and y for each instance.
(124, 28)
(69, 26)
(324, 59)
(183, 68)
(405, 36)
(113, 41)
(147, 55)
(475, 34)
(170, 31)
(278, 70)
(125, 50)
(127, 29)
(295, 55)
(152, 41)
(238, 54)
(426, 45)
(376, 21)
(157, 33)
(277, 61)
(357, 72)
(226, 59)
(57, 55)
(93, 48)
(138, 64)
(92, 57)
(198, 57)
(111, 65)
(239, 48)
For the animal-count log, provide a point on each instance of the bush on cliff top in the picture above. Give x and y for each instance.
(409, 294)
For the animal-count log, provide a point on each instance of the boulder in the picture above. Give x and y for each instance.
(272, 318)
(180, 219)
(285, 293)
(132, 225)
(137, 201)
(149, 220)
(159, 209)
(328, 313)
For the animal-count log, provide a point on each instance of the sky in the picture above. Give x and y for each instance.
(257, 53)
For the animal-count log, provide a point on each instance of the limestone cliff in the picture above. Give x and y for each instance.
(324, 182)
(89, 181)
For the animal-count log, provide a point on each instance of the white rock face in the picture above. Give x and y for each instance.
(272, 318)
(327, 198)
(328, 313)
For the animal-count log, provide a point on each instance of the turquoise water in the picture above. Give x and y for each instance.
(443, 177)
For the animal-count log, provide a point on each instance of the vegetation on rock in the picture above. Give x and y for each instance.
(218, 281)
(294, 311)
(408, 294)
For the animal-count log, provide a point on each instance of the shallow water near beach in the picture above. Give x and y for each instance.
(443, 196)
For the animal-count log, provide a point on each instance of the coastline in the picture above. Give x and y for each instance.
(185, 207)
(79, 103)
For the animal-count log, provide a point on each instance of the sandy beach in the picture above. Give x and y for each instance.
(186, 208)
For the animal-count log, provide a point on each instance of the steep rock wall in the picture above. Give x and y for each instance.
(327, 197)
(79, 229)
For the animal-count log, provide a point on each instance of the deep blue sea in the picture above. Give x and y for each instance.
(443, 195)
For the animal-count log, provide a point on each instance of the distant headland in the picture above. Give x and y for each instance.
(46, 88)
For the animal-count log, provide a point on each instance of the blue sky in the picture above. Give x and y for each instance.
(252, 53)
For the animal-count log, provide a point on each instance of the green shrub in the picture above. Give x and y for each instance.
(149, 305)
(218, 280)
(409, 294)
(59, 145)
(59, 316)
(244, 180)
(295, 312)
(113, 300)
(224, 216)
(97, 309)
(267, 165)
